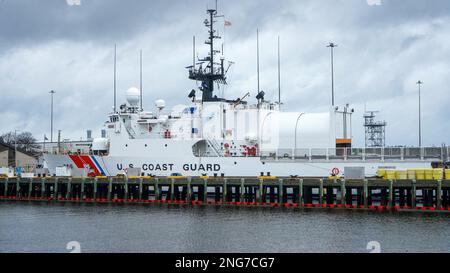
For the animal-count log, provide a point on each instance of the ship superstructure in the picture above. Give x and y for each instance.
(217, 136)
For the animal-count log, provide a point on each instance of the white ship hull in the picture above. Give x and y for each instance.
(213, 136)
(210, 166)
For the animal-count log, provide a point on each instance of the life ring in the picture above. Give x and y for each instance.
(335, 171)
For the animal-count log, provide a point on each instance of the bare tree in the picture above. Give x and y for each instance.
(25, 141)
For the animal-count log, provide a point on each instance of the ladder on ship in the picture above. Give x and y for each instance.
(215, 146)
(130, 131)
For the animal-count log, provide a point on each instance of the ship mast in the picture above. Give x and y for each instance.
(209, 75)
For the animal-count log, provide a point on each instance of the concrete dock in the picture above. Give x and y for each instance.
(364, 194)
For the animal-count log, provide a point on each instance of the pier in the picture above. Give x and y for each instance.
(264, 191)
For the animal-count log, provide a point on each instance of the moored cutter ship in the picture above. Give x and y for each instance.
(214, 136)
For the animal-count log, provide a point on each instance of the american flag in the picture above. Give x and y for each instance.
(227, 23)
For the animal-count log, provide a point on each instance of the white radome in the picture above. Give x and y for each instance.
(160, 104)
(133, 96)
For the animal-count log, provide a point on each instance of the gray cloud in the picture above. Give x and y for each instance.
(383, 50)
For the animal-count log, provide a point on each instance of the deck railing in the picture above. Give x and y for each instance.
(359, 154)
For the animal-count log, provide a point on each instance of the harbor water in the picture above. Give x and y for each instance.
(49, 227)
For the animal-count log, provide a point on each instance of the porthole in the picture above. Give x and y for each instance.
(235, 163)
(165, 145)
(145, 145)
(126, 145)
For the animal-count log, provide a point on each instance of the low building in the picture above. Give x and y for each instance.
(11, 157)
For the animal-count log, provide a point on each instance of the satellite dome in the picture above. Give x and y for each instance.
(133, 96)
(160, 104)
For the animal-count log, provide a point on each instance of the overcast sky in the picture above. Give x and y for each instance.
(383, 50)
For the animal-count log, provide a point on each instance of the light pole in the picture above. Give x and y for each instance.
(419, 83)
(15, 149)
(51, 115)
(332, 46)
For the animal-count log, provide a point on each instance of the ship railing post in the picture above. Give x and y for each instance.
(366, 193)
(439, 195)
(345, 154)
(189, 190)
(328, 154)
(364, 154)
(309, 155)
(391, 200)
(293, 154)
(402, 153)
(141, 180)
(300, 192)
(320, 192)
(413, 193)
(69, 188)
(382, 154)
(109, 188)
(421, 153)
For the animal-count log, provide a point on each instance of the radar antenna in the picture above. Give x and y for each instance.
(213, 72)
